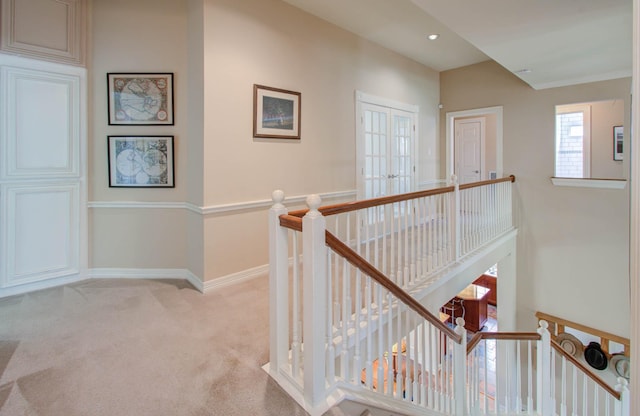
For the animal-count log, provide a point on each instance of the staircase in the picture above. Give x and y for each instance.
(354, 313)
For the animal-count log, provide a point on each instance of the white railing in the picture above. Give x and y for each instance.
(505, 378)
(341, 316)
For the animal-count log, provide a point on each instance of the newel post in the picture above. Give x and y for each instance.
(460, 369)
(624, 407)
(278, 285)
(544, 370)
(315, 299)
(455, 217)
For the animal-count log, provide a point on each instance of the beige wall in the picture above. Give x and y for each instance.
(573, 242)
(140, 36)
(605, 115)
(218, 49)
(271, 43)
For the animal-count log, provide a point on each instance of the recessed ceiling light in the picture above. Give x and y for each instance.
(433, 36)
(523, 71)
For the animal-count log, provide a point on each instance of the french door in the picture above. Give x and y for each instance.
(386, 150)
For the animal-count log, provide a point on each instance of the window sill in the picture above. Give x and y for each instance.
(590, 183)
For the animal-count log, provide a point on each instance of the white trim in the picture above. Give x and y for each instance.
(234, 278)
(40, 285)
(386, 102)
(590, 183)
(216, 209)
(122, 273)
(451, 116)
(634, 246)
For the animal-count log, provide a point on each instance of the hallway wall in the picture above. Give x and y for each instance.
(217, 50)
(572, 242)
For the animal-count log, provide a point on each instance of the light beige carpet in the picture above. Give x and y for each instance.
(136, 348)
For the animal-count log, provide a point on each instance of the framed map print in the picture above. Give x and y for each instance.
(140, 99)
(140, 161)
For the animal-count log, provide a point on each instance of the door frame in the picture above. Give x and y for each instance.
(450, 142)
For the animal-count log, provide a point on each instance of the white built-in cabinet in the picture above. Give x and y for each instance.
(43, 139)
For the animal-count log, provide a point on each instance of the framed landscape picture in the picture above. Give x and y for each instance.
(141, 161)
(276, 113)
(140, 98)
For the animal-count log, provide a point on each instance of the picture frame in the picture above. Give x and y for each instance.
(276, 113)
(140, 98)
(618, 142)
(140, 161)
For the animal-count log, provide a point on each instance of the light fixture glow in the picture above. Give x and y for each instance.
(433, 36)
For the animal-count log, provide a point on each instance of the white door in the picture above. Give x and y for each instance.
(386, 162)
(42, 175)
(469, 145)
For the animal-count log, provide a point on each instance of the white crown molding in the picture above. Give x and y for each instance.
(216, 209)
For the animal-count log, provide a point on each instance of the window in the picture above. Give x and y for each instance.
(573, 141)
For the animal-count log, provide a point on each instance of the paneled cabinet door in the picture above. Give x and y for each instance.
(42, 179)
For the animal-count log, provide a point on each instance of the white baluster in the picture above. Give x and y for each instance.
(296, 318)
(544, 371)
(331, 357)
(529, 378)
(459, 369)
(278, 284)
(315, 299)
(518, 377)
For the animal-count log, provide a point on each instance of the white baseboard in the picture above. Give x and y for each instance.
(184, 274)
(44, 284)
(130, 273)
(235, 278)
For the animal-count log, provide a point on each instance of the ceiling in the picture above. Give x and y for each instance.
(547, 43)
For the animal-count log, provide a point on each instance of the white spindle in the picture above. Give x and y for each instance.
(331, 363)
(552, 395)
(529, 378)
(459, 363)
(296, 336)
(563, 387)
(389, 346)
(544, 375)
(574, 403)
(518, 377)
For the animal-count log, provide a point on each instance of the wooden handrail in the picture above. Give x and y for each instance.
(605, 337)
(289, 221)
(510, 178)
(585, 370)
(363, 265)
(374, 202)
(384, 200)
(522, 336)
